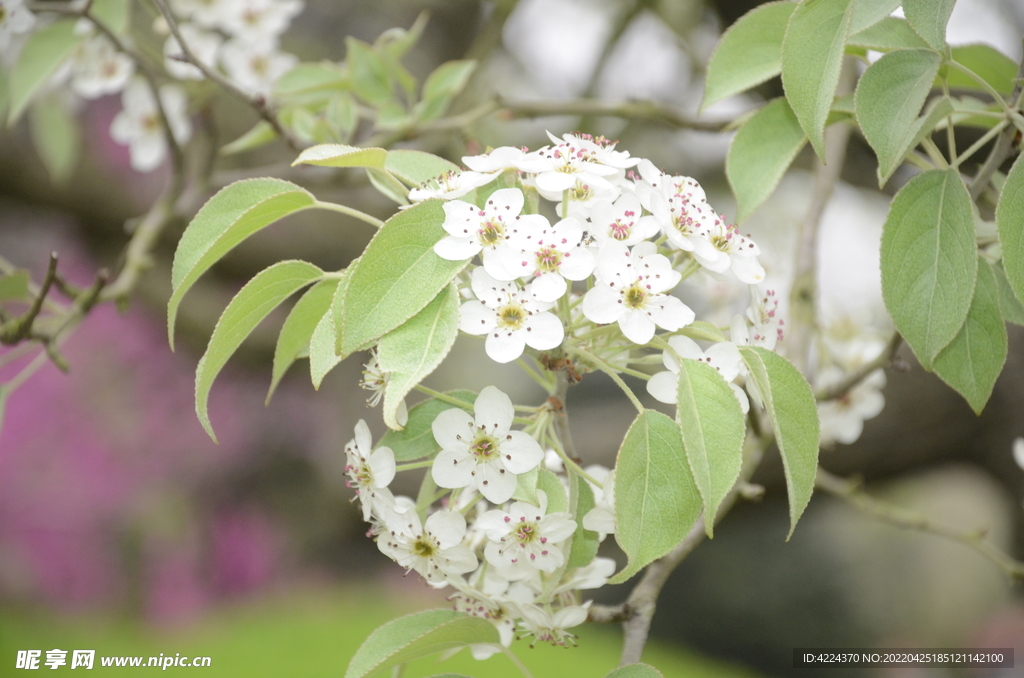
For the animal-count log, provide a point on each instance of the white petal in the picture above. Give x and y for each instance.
(503, 346)
(506, 202)
(475, 318)
(599, 520)
(549, 286)
(670, 313)
(449, 426)
(452, 469)
(382, 464)
(636, 326)
(741, 396)
(458, 560)
(664, 386)
(497, 487)
(747, 269)
(520, 453)
(454, 248)
(558, 527)
(601, 304)
(448, 526)
(577, 264)
(494, 411)
(1018, 452)
(556, 182)
(545, 331)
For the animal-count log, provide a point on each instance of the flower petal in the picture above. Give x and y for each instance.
(520, 453)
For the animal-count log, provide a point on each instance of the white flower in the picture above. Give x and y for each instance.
(15, 18)
(510, 317)
(573, 159)
(206, 13)
(723, 356)
(525, 536)
(139, 125)
(581, 199)
(376, 380)
(631, 290)
(842, 419)
(551, 628)
(259, 21)
(472, 230)
(621, 221)
(1018, 452)
(483, 451)
(451, 185)
(682, 210)
(763, 314)
(601, 518)
(434, 550)
(498, 160)
(255, 67)
(593, 576)
(492, 609)
(97, 68)
(370, 472)
(202, 44)
(549, 255)
(733, 251)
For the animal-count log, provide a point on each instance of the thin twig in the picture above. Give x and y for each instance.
(21, 327)
(881, 361)
(1001, 149)
(637, 110)
(851, 492)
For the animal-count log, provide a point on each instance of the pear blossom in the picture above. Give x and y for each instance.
(601, 518)
(206, 13)
(98, 68)
(433, 549)
(15, 18)
(369, 472)
(592, 576)
(579, 199)
(451, 185)
(621, 221)
(139, 124)
(497, 160)
(472, 230)
(376, 380)
(549, 255)
(572, 159)
(481, 450)
(254, 67)
(492, 609)
(549, 627)
(511, 317)
(632, 289)
(527, 536)
(764, 316)
(723, 356)
(204, 45)
(259, 21)
(733, 251)
(842, 419)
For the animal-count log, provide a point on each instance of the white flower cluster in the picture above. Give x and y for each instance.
(625, 233)
(508, 562)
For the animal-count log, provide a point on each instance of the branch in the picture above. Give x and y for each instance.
(1001, 149)
(881, 361)
(850, 491)
(258, 102)
(637, 110)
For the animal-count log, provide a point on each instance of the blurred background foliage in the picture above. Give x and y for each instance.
(123, 527)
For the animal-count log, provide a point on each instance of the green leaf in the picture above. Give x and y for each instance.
(713, 429)
(396, 277)
(929, 261)
(14, 286)
(1009, 220)
(928, 18)
(418, 635)
(415, 349)
(867, 13)
(397, 41)
(322, 354)
(635, 671)
(262, 133)
(309, 84)
(812, 56)
(232, 215)
(1011, 308)
(443, 85)
(388, 185)
(794, 416)
(656, 501)
(749, 53)
(584, 542)
(43, 53)
(553, 488)
(703, 330)
(760, 154)
(56, 137)
(417, 440)
(252, 304)
(993, 66)
(973, 360)
(889, 96)
(368, 73)
(298, 328)
(114, 14)
(526, 487)
(935, 113)
(416, 168)
(341, 116)
(339, 155)
(888, 34)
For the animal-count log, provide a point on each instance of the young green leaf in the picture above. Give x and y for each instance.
(888, 34)
(56, 137)
(749, 53)
(260, 134)
(323, 356)
(416, 441)
(341, 116)
(396, 277)
(416, 167)
(442, 86)
(41, 55)
(553, 488)
(368, 73)
(584, 542)
(1009, 306)
(656, 501)
(228, 218)
(339, 155)
(973, 360)
(388, 185)
(794, 415)
(252, 304)
(928, 18)
(1011, 227)
(113, 14)
(889, 96)
(703, 330)
(713, 428)
(418, 635)
(760, 154)
(935, 112)
(635, 671)
(867, 13)
(993, 66)
(415, 349)
(526, 487)
(812, 56)
(929, 261)
(309, 84)
(298, 328)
